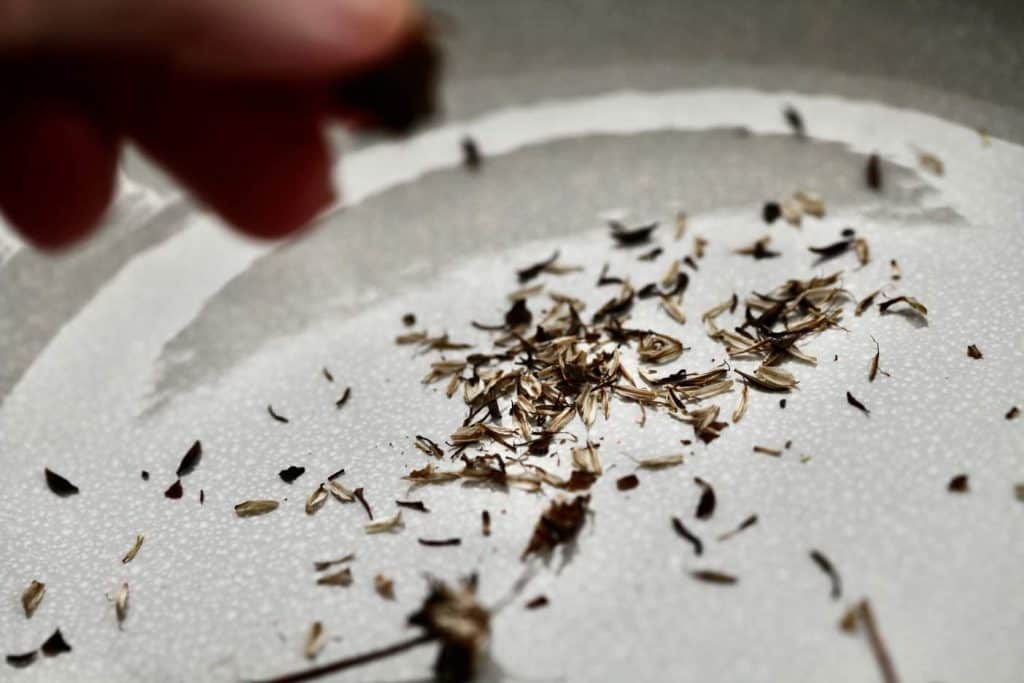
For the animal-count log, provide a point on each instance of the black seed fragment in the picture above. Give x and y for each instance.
(55, 645)
(826, 566)
(771, 212)
(190, 460)
(174, 491)
(291, 473)
(279, 418)
(698, 545)
(59, 485)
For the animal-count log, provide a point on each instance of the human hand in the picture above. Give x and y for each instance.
(228, 95)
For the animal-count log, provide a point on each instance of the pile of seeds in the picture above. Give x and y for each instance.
(550, 372)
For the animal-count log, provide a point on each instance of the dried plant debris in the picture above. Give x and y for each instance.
(1013, 413)
(862, 616)
(767, 450)
(454, 617)
(291, 473)
(958, 484)
(706, 504)
(530, 272)
(428, 446)
(698, 545)
(439, 542)
(770, 378)
(58, 484)
(21, 660)
(659, 461)
(559, 524)
(275, 415)
(416, 505)
(795, 122)
(974, 352)
(55, 645)
(873, 172)
(471, 157)
(932, 163)
(630, 237)
(770, 212)
(744, 525)
(121, 604)
(134, 550)
(650, 255)
(343, 399)
(852, 400)
(537, 602)
(627, 483)
(810, 203)
(384, 586)
(32, 596)
(387, 524)
(342, 577)
(865, 303)
(758, 249)
(174, 491)
(190, 460)
(327, 564)
(316, 638)
(340, 492)
(252, 508)
(825, 565)
(316, 499)
(358, 493)
(741, 405)
(714, 576)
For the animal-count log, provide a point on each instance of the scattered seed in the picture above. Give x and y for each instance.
(698, 546)
(706, 505)
(342, 577)
(485, 523)
(190, 460)
(335, 475)
(343, 399)
(713, 576)
(826, 566)
(20, 661)
(958, 484)
(627, 483)
(537, 602)
(316, 499)
(409, 319)
(770, 212)
(59, 485)
(931, 163)
(327, 373)
(291, 473)
(862, 614)
(1012, 413)
(358, 493)
(387, 524)
(628, 237)
(873, 172)
(852, 400)
(32, 596)
(745, 524)
(340, 492)
(252, 508)
(384, 586)
(439, 542)
(741, 406)
(327, 564)
(559, 524)
(974, 352)
(767, 451)
(145, 475)
(894, 270)
(134, 550)
(55, 645)
(315, 640)
(412, 505)
(795, 121)
(121, 603)
(659, 462)
(471, 157)
(174, 491)
(279, 418)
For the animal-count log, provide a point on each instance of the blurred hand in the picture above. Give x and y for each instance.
(228, 95)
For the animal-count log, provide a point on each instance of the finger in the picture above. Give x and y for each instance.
(57, 171)
(249, 38)
(257, 160)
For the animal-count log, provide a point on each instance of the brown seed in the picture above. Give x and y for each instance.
(342, 577)
(327, 564)
(31, 597)
(316, 499)
(315, 640)
(958, 484)
(387, 524)
(384, 586)
(713, 576)
(174, 491)
(134, 550)
(974, 352)
(1012, 413)
(485, 522)
(627, 483)
(252, 508)
(767, 451)
(121, 603)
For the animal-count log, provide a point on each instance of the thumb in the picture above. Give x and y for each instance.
(287, 39)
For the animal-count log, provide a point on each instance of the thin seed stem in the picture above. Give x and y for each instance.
(351, 662)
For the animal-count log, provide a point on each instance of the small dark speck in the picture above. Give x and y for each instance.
(782, 403)
(145, 475)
